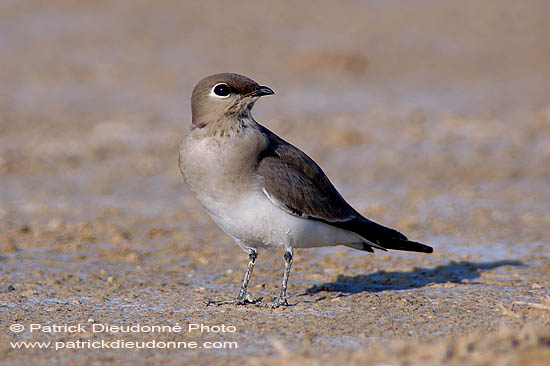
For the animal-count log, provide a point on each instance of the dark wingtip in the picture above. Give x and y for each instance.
(428, 249)
(407, 245)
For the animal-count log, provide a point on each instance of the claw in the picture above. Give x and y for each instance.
(280, 302)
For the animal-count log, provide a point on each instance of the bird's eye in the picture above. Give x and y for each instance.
(221, 90)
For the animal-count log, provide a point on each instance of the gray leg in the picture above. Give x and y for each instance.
(242, 298)
(252, 256)
(282, 297)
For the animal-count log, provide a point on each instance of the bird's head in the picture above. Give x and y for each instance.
(223, 96)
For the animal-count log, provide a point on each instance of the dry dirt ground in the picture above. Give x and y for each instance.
(432, 117)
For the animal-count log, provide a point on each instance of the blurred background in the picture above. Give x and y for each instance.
(421, 105)
(440, 108)
(430, 116)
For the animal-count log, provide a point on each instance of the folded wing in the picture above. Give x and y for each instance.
(296, 184)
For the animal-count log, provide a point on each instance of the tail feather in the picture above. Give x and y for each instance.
(380, 236)
(407, 245)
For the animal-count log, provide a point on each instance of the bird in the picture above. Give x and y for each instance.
(262, 191)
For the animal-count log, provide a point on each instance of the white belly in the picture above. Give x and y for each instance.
(256, 222)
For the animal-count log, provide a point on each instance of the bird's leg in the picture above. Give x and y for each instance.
(242, 297)
(282, 297)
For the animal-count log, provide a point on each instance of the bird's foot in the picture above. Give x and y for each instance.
(280, 302)
(246, 301)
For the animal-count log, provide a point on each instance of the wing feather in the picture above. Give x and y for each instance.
(294, 182)
(297, 185)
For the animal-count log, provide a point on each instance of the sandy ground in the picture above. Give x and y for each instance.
(432, 117)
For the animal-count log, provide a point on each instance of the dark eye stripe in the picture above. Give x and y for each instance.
(222, 90)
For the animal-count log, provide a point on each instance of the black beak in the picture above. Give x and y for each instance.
(260, 92)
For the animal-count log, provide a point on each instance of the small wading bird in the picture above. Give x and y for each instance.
(262, 191)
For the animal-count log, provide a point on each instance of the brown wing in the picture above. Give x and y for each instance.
(298, 185)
